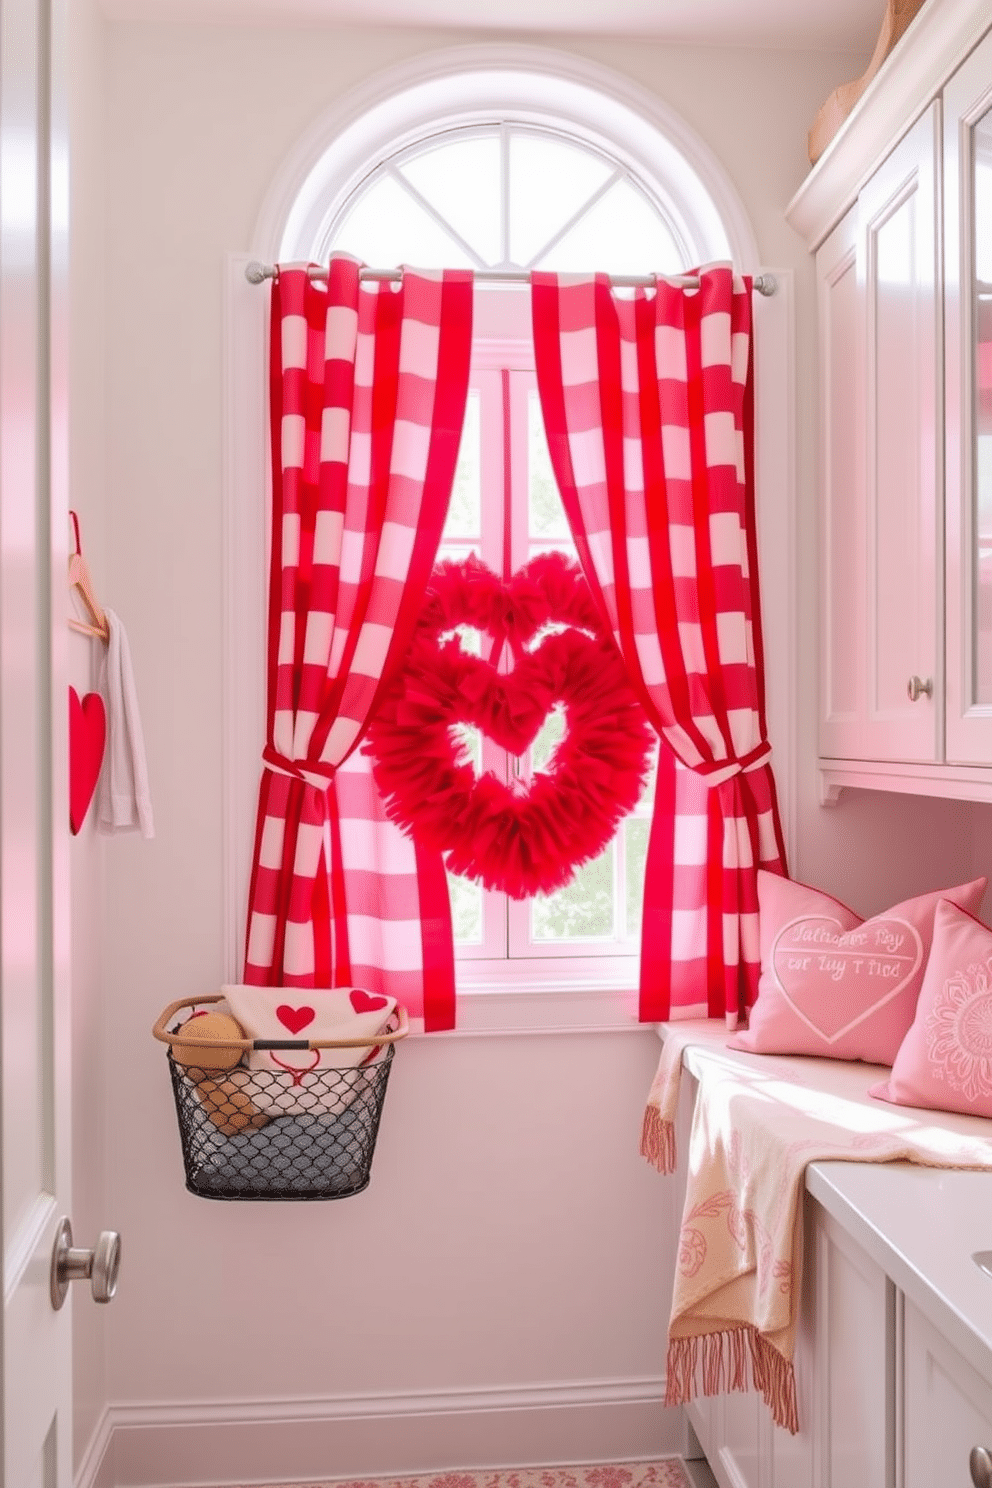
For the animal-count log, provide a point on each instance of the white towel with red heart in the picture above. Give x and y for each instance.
(280, 1013)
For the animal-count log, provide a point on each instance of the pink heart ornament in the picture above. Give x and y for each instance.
(835, 979)
(294, 1018)
(87, 736)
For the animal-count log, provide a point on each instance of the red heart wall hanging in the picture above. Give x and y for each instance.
(87, 736)
(527, 837)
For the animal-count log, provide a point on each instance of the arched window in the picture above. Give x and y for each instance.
(507, 160)
(526, 138)
(507, 196)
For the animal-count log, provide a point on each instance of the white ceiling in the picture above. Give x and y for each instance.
(837, 25)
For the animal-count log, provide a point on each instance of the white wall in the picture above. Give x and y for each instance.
(512, 1246)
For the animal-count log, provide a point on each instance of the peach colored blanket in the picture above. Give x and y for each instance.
(758, 1120)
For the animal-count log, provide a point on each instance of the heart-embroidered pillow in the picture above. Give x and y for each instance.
(836, 985)
(945, 1060)
(279, 1014)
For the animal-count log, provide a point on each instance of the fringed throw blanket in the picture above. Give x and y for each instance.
(758, 1121)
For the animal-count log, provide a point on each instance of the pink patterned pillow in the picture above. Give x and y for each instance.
(945, 1062)
(834, 984)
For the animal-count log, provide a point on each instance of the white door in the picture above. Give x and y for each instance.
(34, 1022)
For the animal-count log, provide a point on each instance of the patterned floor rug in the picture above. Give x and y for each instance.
(668, 1473)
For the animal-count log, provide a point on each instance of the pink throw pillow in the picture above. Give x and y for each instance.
(834, 984)
(945, 1062)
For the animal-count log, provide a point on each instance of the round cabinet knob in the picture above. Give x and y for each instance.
(916, 688)
(99, 1266)
(980, 1463)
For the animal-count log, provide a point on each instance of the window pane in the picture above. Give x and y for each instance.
(466, 910)
(386, 227)
(551, 733)
(635, 851)
(559, 546)
(467, 740)
(647, 794)
(465, 510)
(583, 909)
(549, 182)
(622, 233)
(469, 641)
(457, 552)
(546, 515)
(461, 180)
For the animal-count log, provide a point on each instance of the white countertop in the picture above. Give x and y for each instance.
(920, 1225)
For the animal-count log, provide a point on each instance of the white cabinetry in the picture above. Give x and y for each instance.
(844, 1372)
(880, 380)
(853, 1363)
(896, 214)
(735, 1432)
(885, 1401)
(947, 1408)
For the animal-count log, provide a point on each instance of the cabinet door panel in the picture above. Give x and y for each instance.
(743, 1447)
(948, 1408)
(842, 575)
(853, 1363)
(792, 1456)
(968, 375)
(898, 267)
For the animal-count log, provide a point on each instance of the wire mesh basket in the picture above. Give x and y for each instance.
(265, 1134)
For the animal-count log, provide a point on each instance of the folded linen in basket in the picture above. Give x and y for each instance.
(758, 1121)
(295, 1081)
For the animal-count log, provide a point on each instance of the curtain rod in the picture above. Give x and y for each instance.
(765, 284)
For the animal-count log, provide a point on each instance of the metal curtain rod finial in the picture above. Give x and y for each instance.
(765, 284)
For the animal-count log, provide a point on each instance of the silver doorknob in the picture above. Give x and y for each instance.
(980, 1463)
(916, 688)
(99, 1266)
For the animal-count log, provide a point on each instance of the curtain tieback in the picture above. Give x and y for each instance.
(716, 773)
(317, 775)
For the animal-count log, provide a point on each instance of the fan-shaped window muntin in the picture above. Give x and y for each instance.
(505, 196)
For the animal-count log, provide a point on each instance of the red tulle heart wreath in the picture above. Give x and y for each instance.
(528, 837)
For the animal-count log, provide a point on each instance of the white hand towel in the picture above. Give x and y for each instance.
(125, 804)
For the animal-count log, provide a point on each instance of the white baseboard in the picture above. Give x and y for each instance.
(216, 1444)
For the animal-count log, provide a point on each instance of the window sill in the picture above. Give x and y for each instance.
(523, 1008)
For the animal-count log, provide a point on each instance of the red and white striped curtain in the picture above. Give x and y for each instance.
(368, 391)
(647, 407)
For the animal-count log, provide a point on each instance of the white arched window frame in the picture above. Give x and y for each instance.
(392, 112)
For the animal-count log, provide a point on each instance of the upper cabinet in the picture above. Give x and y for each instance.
(899, 214)
(881, 477)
